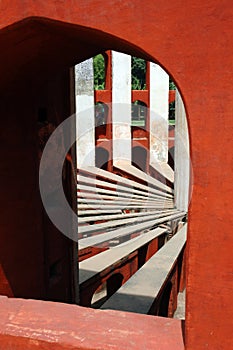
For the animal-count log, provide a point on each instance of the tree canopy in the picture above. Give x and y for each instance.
(138, 69)
(138, 73)
(99, 72)
(138, 81)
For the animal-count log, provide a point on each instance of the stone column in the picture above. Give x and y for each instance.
(182, 158)
(85, 115)
(159, 96)
(121, 107)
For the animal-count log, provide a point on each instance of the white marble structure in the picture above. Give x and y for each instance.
(159, 97)
(182, 157)
(121, 107)
(85, 116)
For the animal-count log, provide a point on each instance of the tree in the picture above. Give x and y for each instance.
(138, 70)
(99, 72)
(172, 85)
(138, 80)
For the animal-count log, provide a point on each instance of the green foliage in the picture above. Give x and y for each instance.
(172, 110)
(99, 72)
(138, 73)
(172, 85)
(138, 77)
(138, 81)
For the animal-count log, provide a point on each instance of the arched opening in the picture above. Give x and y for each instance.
(100, 296)
(139, 126)
(102, 158)
(139, 158)
(141, 117)
(101, 120)
(139, 114)
(113, 283)
(137, 120)
(106, 290)
(101, 114)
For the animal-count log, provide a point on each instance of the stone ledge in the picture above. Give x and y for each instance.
(35, 324)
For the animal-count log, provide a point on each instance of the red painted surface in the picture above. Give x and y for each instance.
(32, 325)
(35, 258)
(87, 253)
(140, 95)
(192, 41)
(152, 249)
(172, 95)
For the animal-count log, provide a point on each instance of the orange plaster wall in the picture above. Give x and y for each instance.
(58, 327)
(29, 244)
(193, 41)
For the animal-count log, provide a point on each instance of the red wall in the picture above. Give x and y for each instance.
(192, 41)
(35, 258)
(62, 327)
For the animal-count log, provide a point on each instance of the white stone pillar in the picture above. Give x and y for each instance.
(182, 157)
(85, 114)
(121, 107)
(159, 99)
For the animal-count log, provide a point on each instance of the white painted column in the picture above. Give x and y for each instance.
(121, 107)
(159, 98)
(182, 157)
(85, 114)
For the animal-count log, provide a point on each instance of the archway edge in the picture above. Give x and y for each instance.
(167, 22)
(170, 22)
(42, 30)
